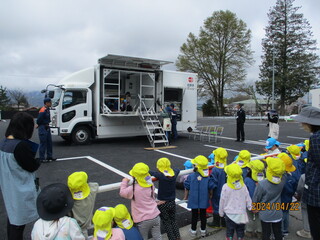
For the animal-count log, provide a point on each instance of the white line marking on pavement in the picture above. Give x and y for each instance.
(229, 149)
(172, 154)
(297, 137)
(246, 141)
(115, 170)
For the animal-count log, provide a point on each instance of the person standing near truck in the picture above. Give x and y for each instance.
(273, 124)
(173, 116)
(241, 118)
(44, 132)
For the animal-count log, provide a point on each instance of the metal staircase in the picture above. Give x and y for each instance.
(151, 123)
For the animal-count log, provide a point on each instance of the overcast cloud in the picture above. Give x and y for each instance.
(42, 41)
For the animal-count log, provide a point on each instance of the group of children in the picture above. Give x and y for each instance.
(66, 212)
(249, 197)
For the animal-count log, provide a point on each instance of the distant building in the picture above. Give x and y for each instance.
(315, 97)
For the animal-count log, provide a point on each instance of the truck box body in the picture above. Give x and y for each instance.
(108, 100)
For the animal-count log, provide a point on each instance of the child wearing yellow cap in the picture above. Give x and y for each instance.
(234, 201)
(255, 174)
(242, 160)
(267, 198)
(166, 196)
(218, 177)
(84, 195)
(103, 221)
(145, 212)
(198, 185)
(288, 191)
(124, 221)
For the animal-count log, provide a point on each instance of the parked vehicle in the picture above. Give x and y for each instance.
(121, 97)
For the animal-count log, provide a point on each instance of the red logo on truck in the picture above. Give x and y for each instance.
(190, 79)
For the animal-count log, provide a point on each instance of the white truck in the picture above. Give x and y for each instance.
(121, 97)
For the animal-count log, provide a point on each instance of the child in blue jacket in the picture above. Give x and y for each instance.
(242, 160)
(288, 191)
(294, 152)
(198, 187)
(166, 196)
(219, 177)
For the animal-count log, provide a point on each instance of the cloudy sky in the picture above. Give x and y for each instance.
(42, 41)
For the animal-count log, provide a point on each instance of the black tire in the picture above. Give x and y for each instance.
(81, 135)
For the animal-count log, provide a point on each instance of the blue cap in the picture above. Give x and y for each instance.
(211, 157)
(188, 165)
(172, 105)
(46, 100)
(271, 142)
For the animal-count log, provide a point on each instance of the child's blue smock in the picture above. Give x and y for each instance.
(244, 172)
(289, 188)
(251, 185)
(198, 191)
(132, 233)
(218, 176)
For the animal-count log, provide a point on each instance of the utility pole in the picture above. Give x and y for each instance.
(273, 78)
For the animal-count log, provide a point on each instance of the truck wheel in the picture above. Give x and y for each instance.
(66, 138)
(81, 135)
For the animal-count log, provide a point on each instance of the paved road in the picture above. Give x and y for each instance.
(108, 161)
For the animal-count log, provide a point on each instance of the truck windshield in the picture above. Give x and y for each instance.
(56, 97)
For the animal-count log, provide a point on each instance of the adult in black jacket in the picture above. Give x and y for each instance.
(241, 118)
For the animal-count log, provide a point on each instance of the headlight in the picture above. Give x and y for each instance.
(54, 121)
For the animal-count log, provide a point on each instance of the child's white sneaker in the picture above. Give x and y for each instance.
(203, 233)
(192, 233)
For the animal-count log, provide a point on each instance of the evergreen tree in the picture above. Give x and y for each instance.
(208, 108)
(289, 43)
(219, 55)
(4, 99)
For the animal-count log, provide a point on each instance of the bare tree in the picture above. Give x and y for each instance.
(19, 98)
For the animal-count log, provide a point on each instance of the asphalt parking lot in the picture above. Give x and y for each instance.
(108, 161)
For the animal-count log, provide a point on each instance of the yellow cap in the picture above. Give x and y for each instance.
(257, 168)
(78, 185)
(201, 163)
(243, 158)
(102, 221)
(122, 217)
(307, 144)
(294, 151)
(275, 169)
(140, 171)
(287, 162)
(220, 157)
(164, 166)
(234, 174)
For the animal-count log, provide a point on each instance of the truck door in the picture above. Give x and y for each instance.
(75, 109)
